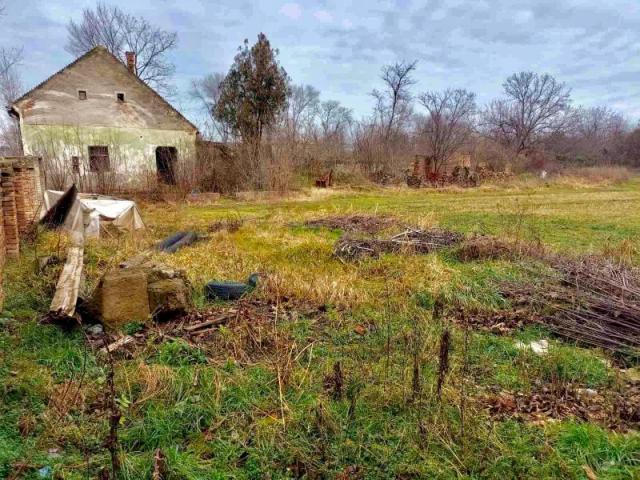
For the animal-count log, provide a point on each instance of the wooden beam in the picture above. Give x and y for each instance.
(63, 305)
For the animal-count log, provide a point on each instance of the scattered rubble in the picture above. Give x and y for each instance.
(409, 241)
(357, 223)
(141, 290)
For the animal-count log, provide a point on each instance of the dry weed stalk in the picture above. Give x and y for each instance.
(443, 360)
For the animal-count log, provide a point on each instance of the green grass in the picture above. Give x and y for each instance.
(272, 416)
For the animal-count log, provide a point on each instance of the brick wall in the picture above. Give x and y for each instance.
(9, 213)
(27, 198)
(20, 198)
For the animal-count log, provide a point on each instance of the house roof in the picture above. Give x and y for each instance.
(94, 50)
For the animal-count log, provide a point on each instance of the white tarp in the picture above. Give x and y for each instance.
(89, 211)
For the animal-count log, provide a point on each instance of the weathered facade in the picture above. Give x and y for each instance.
(95, 118)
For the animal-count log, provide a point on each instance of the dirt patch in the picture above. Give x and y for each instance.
(370, 224)
(411, 241)
(617, 410)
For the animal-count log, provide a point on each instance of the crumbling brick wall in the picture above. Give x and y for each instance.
(27, 194)
(9, 213)
(20, 198)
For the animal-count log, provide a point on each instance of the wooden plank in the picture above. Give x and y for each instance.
(63, 305)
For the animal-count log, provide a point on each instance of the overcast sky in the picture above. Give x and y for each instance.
(339, 47)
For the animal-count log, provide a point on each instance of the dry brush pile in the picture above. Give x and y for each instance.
(409, 241)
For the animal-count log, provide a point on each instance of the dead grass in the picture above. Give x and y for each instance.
(597, 175)
(484, 247)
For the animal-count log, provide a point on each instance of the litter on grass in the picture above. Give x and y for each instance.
(229, 290)
(89, 213)
(178, 240)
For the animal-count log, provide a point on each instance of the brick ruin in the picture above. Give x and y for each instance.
(20, 197)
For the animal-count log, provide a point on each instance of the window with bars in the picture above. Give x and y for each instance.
(82, 94)
(99, 159)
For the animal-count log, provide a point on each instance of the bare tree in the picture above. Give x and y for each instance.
(206, 92)
(632, 147)
(598, 122)
(302, 108)
(334, 119)
(393, 105)
(535, 105)
(449, 123)
(10, 90)
(120, 32)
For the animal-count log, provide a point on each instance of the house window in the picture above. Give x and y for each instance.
(99, 159)
(120, 97)
(82, 94)
(75, 164)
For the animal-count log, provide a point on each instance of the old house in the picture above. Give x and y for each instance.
(97, 124)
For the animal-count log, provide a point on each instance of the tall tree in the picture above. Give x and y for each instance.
(534, 105)
(253, 94)
(449, 123)
(120, 32)
(206, 92)
(393, 104)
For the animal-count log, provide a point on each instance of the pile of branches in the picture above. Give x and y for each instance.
(409, 241)
(590, 300)
(251, 326)
(370, 224)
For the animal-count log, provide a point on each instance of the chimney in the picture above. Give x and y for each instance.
(131, 62)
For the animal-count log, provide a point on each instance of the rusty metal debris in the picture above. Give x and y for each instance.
(325, 180)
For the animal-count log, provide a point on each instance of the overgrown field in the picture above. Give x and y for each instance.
(331, 369)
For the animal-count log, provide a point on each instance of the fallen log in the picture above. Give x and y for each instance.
(63, 305)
